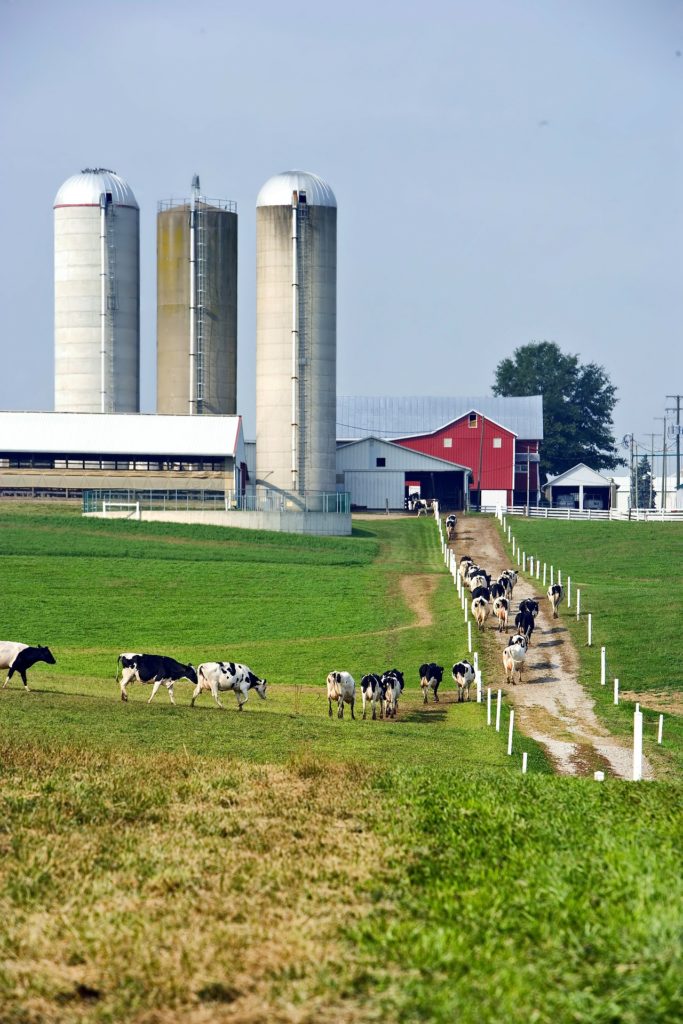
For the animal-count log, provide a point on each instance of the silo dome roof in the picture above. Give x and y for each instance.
(85, 189)
(277, 191)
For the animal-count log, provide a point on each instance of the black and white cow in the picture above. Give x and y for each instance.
(394, 682)
(501, 608)
(228, 675)
(514, 657)
(463, 675)
(341, 686)
(431, 675)
(373, 690)
(18, 657)
(152, 668)
(529, 605)
(555, 595)
(524, 622)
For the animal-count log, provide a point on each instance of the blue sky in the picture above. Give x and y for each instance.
(505, 172)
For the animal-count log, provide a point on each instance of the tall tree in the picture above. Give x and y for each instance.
(578, 401)
(640, 486)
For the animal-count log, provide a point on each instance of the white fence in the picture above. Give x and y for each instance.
(636, 515)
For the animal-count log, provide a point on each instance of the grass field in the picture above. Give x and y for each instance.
(631, 581)
(166, 864)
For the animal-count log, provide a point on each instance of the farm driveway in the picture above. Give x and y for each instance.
(550, 705)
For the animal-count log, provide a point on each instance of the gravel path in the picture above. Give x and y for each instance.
(550, 705)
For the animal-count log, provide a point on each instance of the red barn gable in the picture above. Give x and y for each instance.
(472, 440)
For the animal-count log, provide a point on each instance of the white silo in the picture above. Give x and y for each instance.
(296, 333)
(97, 294)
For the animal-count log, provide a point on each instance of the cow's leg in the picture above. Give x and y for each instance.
(214, 693)
(169, 687)
(340, 707)
(242, 698)
(353, 701)
(436, 693)
(157, 684)
(9, 674)
(329, 705)
(22, 673)
(364, 699)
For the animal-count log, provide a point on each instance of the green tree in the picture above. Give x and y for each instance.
(578, 401)
(640, 486)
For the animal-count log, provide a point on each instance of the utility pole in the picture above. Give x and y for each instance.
(663, 498)
(678, 438)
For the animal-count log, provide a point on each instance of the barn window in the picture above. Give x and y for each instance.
(498, 442)
(380, 461)
(448, 442)
(472, 420)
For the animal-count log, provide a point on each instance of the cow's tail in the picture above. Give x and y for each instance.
(200, 672)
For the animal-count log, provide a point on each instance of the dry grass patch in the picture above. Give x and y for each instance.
(160, 890)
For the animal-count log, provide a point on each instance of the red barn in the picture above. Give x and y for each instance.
(497, 438)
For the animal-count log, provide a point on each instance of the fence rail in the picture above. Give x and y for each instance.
(635, 515)
(264, 500)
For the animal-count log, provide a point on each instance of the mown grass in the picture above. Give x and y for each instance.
(631, 581)
(164, 864)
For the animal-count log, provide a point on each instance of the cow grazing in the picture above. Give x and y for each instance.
(373, 690)
(215, 676)
(501, 607)
(394, 683)
(152, 668)
(481, 609)
(463, 676)
(18, 657)
(514, 656)
(341, 686)
(529, 605)
(431, 675)
(555, 595)
(524, 622)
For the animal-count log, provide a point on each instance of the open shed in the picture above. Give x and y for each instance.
(581, 488)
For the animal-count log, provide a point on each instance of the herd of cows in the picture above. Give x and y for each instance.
(381, 691)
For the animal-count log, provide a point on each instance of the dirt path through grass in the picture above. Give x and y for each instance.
(550, 705)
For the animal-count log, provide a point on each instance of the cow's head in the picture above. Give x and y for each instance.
(191, 674)
(260, 688)
(46, 655)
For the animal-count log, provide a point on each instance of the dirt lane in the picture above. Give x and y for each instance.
(550, 705)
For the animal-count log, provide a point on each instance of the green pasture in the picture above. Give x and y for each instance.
(631, 580)
(164, 864)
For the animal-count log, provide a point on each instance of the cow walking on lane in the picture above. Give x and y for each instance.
(152, 668)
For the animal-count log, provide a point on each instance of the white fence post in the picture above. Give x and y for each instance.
(544, 567)
(498, 711)
(569, 591)
(603, 666)
(475, 661)
(578, 604)
(519, 560)
(552, 576)
(513, 546)
(469, 637)
(510, 728)
(531, 565)
(488, 706)
(616, 691)
(660, 729)
(524, 757)
(538, 569)
(637, 744)
(590, 630)
(477, 678)
(467, 611)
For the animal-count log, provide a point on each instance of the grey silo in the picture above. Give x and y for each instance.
(296, 333)
(197, 305)
(97, 294)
